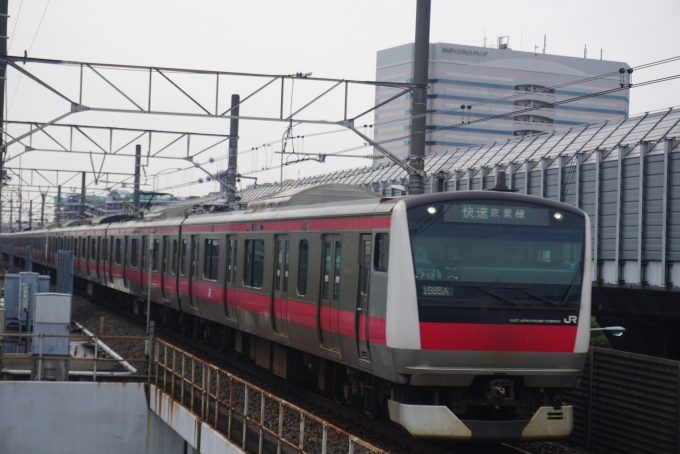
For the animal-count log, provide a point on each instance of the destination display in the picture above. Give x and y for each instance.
(498, 214)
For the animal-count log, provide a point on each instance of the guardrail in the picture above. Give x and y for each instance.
(215, 394)
(627, 403)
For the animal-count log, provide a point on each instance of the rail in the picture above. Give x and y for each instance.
(98, 344)
(214, 394)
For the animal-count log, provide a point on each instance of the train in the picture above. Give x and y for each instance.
(462, 315)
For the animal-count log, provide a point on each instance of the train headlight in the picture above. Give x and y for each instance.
(558, 216)
(432, 210)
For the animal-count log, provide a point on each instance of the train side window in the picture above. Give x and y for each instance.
(254, 264)
(382, 251)
(83, 247)
(75, 247)
(154, 256)
(93, 249)
(119, 251)
(134, 253)
(211, 259)
(302, 268)
(183, 260)
(174, 256)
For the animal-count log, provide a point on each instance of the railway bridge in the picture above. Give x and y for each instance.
(624, 172)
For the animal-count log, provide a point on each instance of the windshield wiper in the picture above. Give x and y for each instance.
(571, 286)
(520, 289)
(481, 289)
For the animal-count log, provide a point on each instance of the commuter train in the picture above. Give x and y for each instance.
(461, 314)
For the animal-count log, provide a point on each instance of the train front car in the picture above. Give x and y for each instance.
(497, 319)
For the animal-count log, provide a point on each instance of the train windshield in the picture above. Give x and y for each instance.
(496, 253)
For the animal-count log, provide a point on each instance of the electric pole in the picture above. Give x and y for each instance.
(232, 169)
(82, 198)
(42, 209)
(57, 207)
(421, 59)
(3, 75)
(138, 165)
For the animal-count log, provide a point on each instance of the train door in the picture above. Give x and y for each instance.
(109, 260)
(230, 289)
(330, 292)
(361, 321)
(193, 272)
(144, 265)
(279, 299)
(164, 268)
(98, 256)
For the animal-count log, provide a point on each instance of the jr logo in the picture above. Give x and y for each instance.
(571, 319)
(209, 292)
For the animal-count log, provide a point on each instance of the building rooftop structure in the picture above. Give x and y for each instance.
(494, 81)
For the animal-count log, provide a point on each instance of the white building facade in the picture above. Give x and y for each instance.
(480, 77)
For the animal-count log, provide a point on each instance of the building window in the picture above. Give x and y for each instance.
(254, 264)
(211, 259)
(382, 251)
(303, 267)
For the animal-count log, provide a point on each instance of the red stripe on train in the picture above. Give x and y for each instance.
(349, 223)
(499, 338)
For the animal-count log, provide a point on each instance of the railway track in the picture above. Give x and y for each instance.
(379, 432)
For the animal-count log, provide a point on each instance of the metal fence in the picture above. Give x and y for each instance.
(247, 414)
(627, 403)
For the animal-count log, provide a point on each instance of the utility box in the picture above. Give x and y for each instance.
(52, 316)
(12, 285)
(2, 331)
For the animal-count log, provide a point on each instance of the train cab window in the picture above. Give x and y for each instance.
(211, 259)
(174, 256)
(155, 254)
(382, 251)
(254, 264)
(134, 253)
(93, 249)
(302, 268)
(183, 260)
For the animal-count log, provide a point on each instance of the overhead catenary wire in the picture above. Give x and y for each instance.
(493, 117)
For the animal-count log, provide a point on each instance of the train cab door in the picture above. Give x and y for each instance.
(230, 288)
(193, 272)
(164, 268)
(364, 277)
(330, 292)
(279, 301)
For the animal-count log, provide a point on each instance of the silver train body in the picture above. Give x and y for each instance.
(412, 304)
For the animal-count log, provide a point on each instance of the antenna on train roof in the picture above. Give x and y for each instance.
(500, 183)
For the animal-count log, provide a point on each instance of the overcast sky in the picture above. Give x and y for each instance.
(335, 39)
